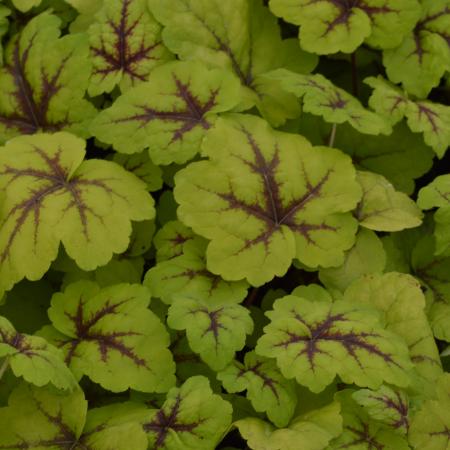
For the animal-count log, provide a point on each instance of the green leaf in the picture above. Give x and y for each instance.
(431, 424)
(125, 46)
(431, 119)
(171, 240)
(363, 433)
(240, 36)
(322, 98)
(439, 316)
(25, 5)
(315, 341)
(366, 256)
(382, 208)
(192, 418)
(170, 113)
(310, 431)
(329, 26)
(53, 196)
(215, 329)
(33, 358)
(437, 194)
(266, 388)
(108, 331)
(422, 58)
(44, 80)
(399, 298)
(187, 274)
(4, 25)
(267, 197)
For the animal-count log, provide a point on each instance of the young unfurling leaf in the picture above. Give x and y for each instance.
(265, 198)
(108, 331)
(44, 80)
(53, 196)
(315, 341)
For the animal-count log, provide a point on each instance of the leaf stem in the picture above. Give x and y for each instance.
(332, 136)
(4, 366)
(251, 297)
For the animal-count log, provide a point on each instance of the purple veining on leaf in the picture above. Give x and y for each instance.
(267, 381)
(399, 405)
(363, 437)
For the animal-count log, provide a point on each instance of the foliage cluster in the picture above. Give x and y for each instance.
(224, 224)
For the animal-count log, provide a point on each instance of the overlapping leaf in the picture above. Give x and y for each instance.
(171, 239)
(265, 198)
(33, 358)
(382, 208)
(53, 196)
(215, 329)
(25, 5)
(192, 418)
(187, 274)
(266, 388)
(330, 26)
(37, 418)
(437, 194)
(422, 58)
(170, 113)
(44, 80)
(241, 36)
(431, 119)
(125, 45)
(110, 331)
(321, 97)
(315, 341)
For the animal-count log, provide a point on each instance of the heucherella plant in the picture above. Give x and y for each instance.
(224, 224)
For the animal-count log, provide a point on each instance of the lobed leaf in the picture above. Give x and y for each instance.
(171, 239)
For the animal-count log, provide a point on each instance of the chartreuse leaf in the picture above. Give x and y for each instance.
(170, 113)
(125, 45)
(266, 388)
(422, 58)
(241, 36)
(331, 26)
(187, 274)
(315, 341)
(171, 240)
(108, 331)
(431, 119)
(38, 418)
(437, 194)
(322, 98)
(53, 196)
(215, 329)
(366, 256)
(361, 432)
(386, 405)
(265, 198)
(25, 5)
(33, 358)
(430, 427)
(399, 298)
(44, 80)
(192, 418)
(382, 208)
(309, 431)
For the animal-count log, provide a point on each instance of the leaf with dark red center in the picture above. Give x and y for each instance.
(170, 113)
(265, 198)
(192, 418)
(266, 388)
(44, 80)
(315, 341)
(431, 119)
(110, 335)
(51, 195)
(330, 26)
(215, 329)
(422, 58)
(241, 36)
(361, 432)
(38, 419)
(322, 98)
(187, 274)
(430, 426)
(33, 358)
(388, 406)
(125, 46)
